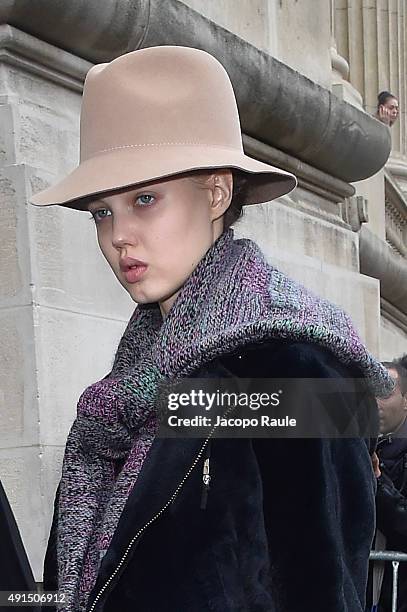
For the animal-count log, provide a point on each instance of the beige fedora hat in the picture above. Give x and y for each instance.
(155, 113)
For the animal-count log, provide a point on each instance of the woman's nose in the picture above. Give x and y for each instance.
(123, 231)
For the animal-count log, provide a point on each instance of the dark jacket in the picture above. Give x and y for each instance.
(287, 524)
(391, 505)
(15, 570)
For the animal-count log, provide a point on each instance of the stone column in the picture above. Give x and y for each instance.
(371, 36)
(341, 86)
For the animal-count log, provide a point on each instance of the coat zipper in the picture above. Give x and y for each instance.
(152, 520)
(206, 479)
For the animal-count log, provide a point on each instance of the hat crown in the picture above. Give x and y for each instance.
(156, 113)
(149, 98)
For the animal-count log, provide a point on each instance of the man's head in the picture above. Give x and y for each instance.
(393, 409)
(403, 362)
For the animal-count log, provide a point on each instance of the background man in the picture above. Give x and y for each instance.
(391, 500)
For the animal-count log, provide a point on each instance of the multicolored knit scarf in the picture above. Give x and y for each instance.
(233, 298)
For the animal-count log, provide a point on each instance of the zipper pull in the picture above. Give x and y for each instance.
(206, 478)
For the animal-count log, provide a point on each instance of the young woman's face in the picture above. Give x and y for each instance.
(154, 236)
(389, 111)
(392, 107)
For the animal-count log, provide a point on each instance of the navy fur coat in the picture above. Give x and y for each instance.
(287, 524)
(15, 570)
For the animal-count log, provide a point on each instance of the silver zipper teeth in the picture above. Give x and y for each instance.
(156, 516)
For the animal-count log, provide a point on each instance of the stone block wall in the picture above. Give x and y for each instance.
(61, 312)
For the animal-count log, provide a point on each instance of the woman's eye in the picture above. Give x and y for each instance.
(145, 199)
(99, 215)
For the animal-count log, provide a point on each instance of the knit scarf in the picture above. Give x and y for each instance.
(232, 298)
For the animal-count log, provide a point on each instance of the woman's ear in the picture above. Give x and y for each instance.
(222, 189)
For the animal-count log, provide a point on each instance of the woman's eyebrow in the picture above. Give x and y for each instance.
(97, 202)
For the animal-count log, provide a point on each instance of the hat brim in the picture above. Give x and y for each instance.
(129, 166)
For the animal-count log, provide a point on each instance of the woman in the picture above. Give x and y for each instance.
(152, 523)
(387, 108)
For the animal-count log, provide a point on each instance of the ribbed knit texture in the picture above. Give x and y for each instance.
(233, 298)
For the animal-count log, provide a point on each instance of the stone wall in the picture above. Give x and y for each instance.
(288, 30)
(61, 311)
(393, 340)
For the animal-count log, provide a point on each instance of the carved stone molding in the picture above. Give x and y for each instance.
(316, 181)
(356, 212)
(95, 30)
(278, 106)
(38, 57)
(395, 216)
(397, 166)
(393, 314)
(377, 259)
(339, 64)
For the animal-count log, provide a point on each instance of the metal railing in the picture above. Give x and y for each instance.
(396, 558)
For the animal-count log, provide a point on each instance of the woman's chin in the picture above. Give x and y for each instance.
(142, 295)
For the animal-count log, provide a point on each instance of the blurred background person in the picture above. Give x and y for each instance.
(391, 499)
(387, 108)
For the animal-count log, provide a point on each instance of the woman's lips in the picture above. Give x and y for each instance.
(132, 269)
(133, 274)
